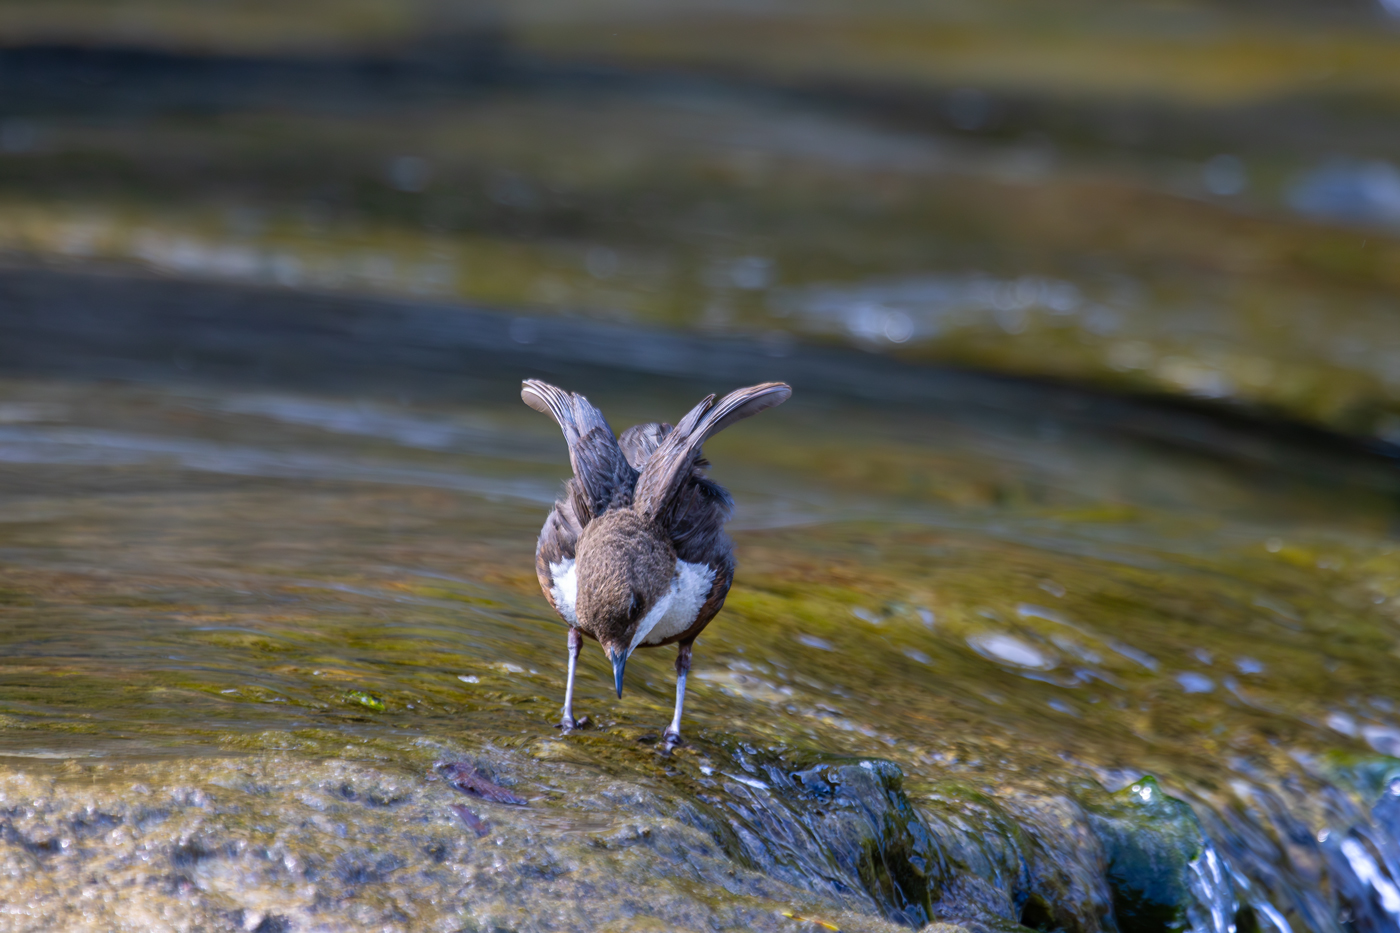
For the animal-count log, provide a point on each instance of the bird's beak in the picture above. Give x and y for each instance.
(619, 663)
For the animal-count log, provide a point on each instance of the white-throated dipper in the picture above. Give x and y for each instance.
(634, 553)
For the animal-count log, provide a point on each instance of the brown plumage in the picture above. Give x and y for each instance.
(634, 553)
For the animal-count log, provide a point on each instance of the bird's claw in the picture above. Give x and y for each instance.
(672, 738)
(569, 723)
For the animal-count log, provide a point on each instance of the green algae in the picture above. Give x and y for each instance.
(367, 700)
(909, 717)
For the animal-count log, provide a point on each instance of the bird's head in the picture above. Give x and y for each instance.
(624, 568)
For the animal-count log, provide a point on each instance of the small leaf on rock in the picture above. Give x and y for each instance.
(368, 700)
(468, 780)
(474, 822)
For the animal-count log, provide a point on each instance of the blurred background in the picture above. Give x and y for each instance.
(1197, 198)
(1088, 487)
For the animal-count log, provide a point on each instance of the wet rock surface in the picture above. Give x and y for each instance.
(608, 835)
(1153, 846)
(273, 657)
(277, 842)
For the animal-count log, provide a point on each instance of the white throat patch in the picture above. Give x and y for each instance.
(673, 613)
(564, 576)
(678, 608)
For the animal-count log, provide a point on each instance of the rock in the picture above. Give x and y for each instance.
(1151, 842)
(1018, 862)
(291, 842)
(846, 827)
(841, 827)
(616, 836)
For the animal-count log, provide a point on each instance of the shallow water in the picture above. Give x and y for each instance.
(1001, 654)
(242, 621)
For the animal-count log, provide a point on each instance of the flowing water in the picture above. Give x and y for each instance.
(1068, 594)
(998, 653)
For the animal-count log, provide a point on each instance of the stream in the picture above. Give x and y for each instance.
(1068, 589)
(1000, 653)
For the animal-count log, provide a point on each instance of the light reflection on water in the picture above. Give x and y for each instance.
(189, 568)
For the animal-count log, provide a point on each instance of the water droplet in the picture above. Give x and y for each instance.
(899, 327)
(1383, 739)
(1012, 650)
(1032, 611)
(1133, 654)
(1342, 723)
(1192, 682)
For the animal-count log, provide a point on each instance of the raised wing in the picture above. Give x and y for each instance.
(669, 467)
(603, 479)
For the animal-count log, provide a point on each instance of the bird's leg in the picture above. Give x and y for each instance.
(575, 648)
(673, 731)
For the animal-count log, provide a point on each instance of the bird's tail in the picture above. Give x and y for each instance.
(673, 461)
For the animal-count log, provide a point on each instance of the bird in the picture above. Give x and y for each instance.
(634, 552)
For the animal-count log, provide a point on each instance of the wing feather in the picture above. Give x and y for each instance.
(673, 462)
(640, 441)
(603, 479)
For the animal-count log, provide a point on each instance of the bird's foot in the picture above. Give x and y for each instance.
(569, 723)
(672, 738)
